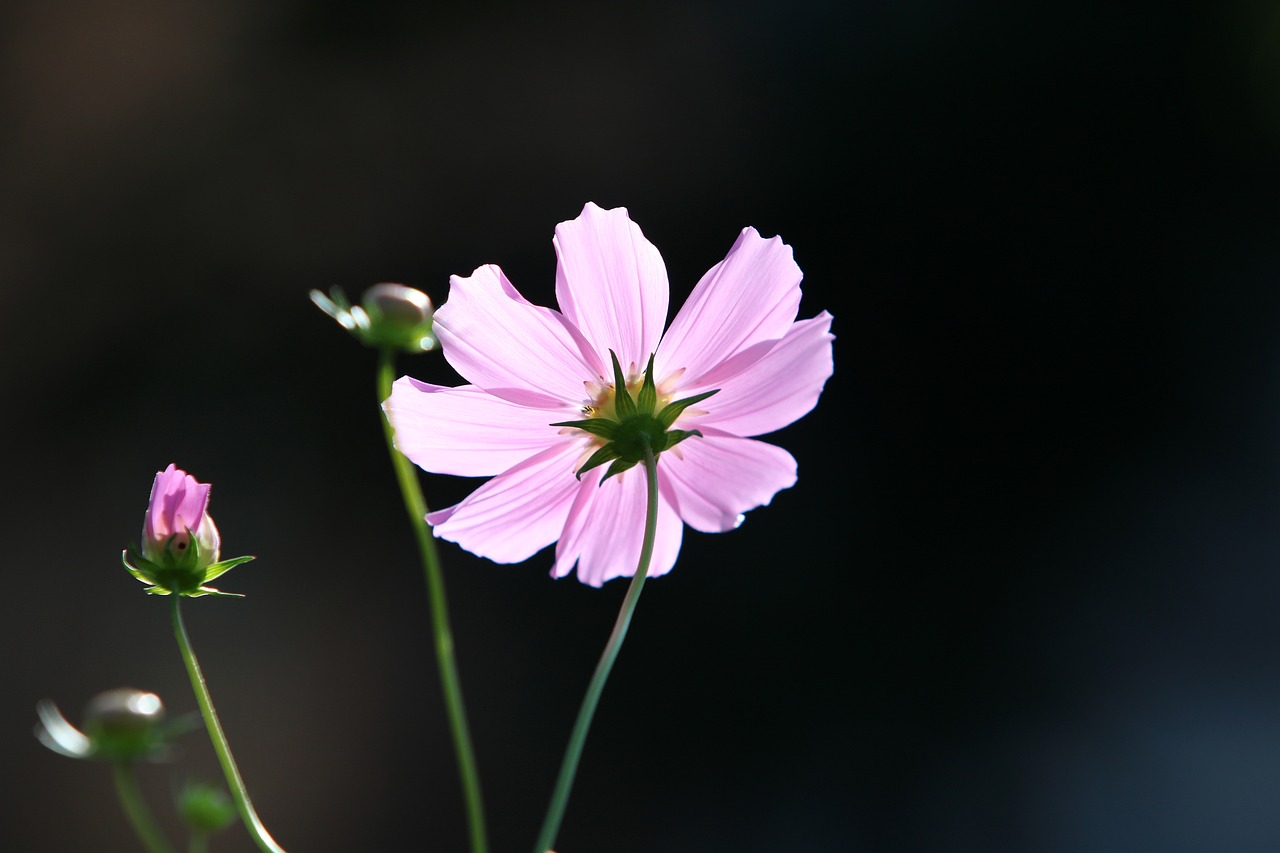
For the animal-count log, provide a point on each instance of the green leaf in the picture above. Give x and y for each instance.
(672, 411)
(602, 427)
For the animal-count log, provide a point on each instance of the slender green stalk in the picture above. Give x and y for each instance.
(238, 792)
(578, 738)
(416, 507)
(135, 808)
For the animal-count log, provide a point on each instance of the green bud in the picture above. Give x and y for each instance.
(389, 316)
(123, 724)
(206, 808)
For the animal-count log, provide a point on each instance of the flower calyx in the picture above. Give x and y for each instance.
(182, 571)
(637, 424)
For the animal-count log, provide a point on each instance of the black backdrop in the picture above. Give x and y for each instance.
(1023, 595)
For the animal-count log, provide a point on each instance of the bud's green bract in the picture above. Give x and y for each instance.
(389, 316)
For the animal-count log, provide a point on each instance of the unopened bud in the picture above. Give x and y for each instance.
(205, 808)
(122, 724)
(389, 316)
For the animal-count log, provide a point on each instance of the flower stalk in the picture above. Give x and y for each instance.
(135, 808)
(416, 507)
(239, 794)
(578, 738)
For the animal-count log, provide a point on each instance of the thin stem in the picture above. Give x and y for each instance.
(450, 684)
(573, 752)
(135, 808)
(238, 792)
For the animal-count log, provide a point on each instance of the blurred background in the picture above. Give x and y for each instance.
(1023, 596)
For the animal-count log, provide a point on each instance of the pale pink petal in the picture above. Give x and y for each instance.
(517, 513)
(776, 389)
(711, 481)
(605, 530)
(511, 348)
(750, 297)
(611, 283)
(465, 431)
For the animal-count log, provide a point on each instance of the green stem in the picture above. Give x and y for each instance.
(450, 684)
(238, 792)
(573, 752)
(199, 843)
(135, 808)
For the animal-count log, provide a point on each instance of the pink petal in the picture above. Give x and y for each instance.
(750, 297)
(511, 348)
(611, 283)
(177, 504)
(519, 512)
(465, 431)
(777, 388)
(605, 530)
(711, 481)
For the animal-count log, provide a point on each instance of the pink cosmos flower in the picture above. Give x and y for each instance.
(179, 504)
(531, 368)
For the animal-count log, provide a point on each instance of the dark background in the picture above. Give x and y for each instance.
(1024, 594)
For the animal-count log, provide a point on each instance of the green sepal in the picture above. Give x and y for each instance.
(182, 578)
(672, 410)
(603, 454)
(676, 436)
(602, 427)
(201, 592)
(647, 398)
(618, 466)
(623, 405)
(137, 572)
(336, 305)
(223, 567)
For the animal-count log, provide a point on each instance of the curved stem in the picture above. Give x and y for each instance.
(238, 792)
(450, 684)
(135, 808)
(573, 752)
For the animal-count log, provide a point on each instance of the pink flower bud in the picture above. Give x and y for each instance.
(178, 509)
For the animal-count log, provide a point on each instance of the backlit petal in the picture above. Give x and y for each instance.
(510, 347)
(611, 283)
(750, 297)
(605, 530)
(465, 431)
(177, 504)
(776, 389)
(519, 512)
(712, 480)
